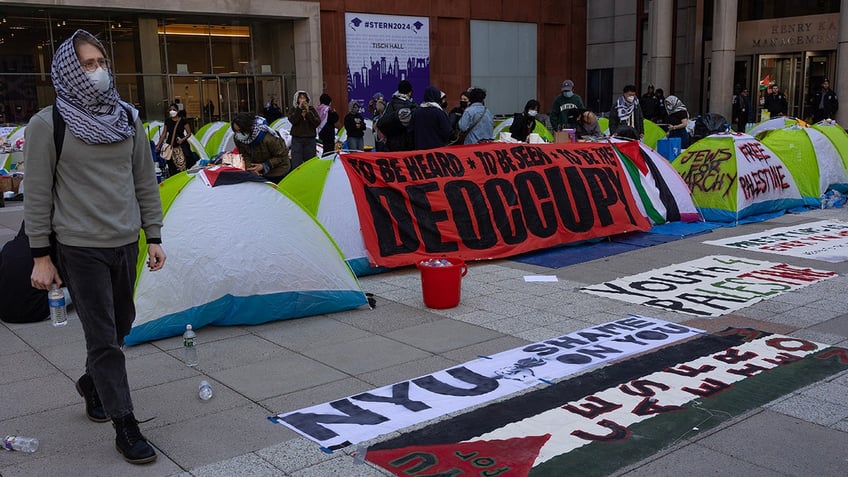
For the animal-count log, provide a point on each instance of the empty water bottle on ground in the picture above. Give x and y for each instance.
(58, 311)
(204, 391)
(20, 443)
(190, 347)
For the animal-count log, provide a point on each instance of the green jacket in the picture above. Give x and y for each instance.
(565, 111)
(271, 151)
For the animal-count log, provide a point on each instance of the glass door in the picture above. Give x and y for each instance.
(785, 72)
(819, 65)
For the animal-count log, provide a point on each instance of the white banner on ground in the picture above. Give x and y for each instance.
(825, 240)
(709, 286)
(366, 416)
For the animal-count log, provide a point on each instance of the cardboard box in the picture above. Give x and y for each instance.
(10, 183)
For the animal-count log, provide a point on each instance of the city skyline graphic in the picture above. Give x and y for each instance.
(383, 50)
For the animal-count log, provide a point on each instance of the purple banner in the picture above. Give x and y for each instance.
(382, 50)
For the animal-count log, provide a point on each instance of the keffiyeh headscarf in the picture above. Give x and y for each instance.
(625, 109)
(260, 129)
(92, 116)
(674, 105)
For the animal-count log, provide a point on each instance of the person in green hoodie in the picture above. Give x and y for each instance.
(566, 108)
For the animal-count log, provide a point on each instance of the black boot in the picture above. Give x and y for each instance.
(129, 441)
(93, 407)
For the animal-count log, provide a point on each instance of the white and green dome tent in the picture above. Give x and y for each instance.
(216, 138)
(243, 253)
(732, 177)
(773, 124)
(653, 133)
(13, 135)
(837, 136)
(321, 185)
(811, 158)
(539, 129)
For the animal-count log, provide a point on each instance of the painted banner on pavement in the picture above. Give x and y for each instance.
(598, 422)
(825, 240)
(490, 200)
(390, 408)
(709, 286)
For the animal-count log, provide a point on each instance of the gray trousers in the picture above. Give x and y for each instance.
(101, 281)
(302, 150)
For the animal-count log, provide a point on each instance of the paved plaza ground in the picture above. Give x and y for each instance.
(259, 371)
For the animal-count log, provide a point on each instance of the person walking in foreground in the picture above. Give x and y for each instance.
(95, 197)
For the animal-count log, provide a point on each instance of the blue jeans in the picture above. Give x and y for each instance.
(355, 144)
(302, 150)
(102, 280)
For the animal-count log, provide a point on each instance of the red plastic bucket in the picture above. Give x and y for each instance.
(442, 285)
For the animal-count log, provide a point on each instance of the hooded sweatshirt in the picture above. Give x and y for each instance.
(303, 125)
(430, 124)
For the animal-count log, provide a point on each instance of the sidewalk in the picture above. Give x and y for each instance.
(260, 371)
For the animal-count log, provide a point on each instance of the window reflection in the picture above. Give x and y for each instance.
(210, 66)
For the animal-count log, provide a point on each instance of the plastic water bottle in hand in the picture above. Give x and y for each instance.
(58, 311)
(204, 391)
(20, 444)
(190, 347)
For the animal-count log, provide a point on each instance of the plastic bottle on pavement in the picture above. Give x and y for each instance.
(58, 311)
(190, 347)
(20, 443)
(204, 391)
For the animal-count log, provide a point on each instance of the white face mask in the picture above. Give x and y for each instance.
(532, 113)
(629, 99)
(100, 79)
(241, 137)
(172, 113)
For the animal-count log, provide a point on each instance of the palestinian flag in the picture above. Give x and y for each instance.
(588, 422)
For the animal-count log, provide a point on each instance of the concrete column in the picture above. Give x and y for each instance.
(842, 64)
(151, 88)
(307, 54)
(723, 57)
(661, 18)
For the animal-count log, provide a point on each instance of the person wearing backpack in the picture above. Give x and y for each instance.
(95, 200)
(395, 121)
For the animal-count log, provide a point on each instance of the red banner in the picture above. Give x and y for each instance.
(489, 200)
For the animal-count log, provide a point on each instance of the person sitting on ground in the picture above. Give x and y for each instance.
(524, 123)
(430, 124)
(264, 152)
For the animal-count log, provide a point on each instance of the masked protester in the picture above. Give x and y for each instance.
(96, 212)
(627, 112)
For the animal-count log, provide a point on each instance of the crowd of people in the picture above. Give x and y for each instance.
(399, 123)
